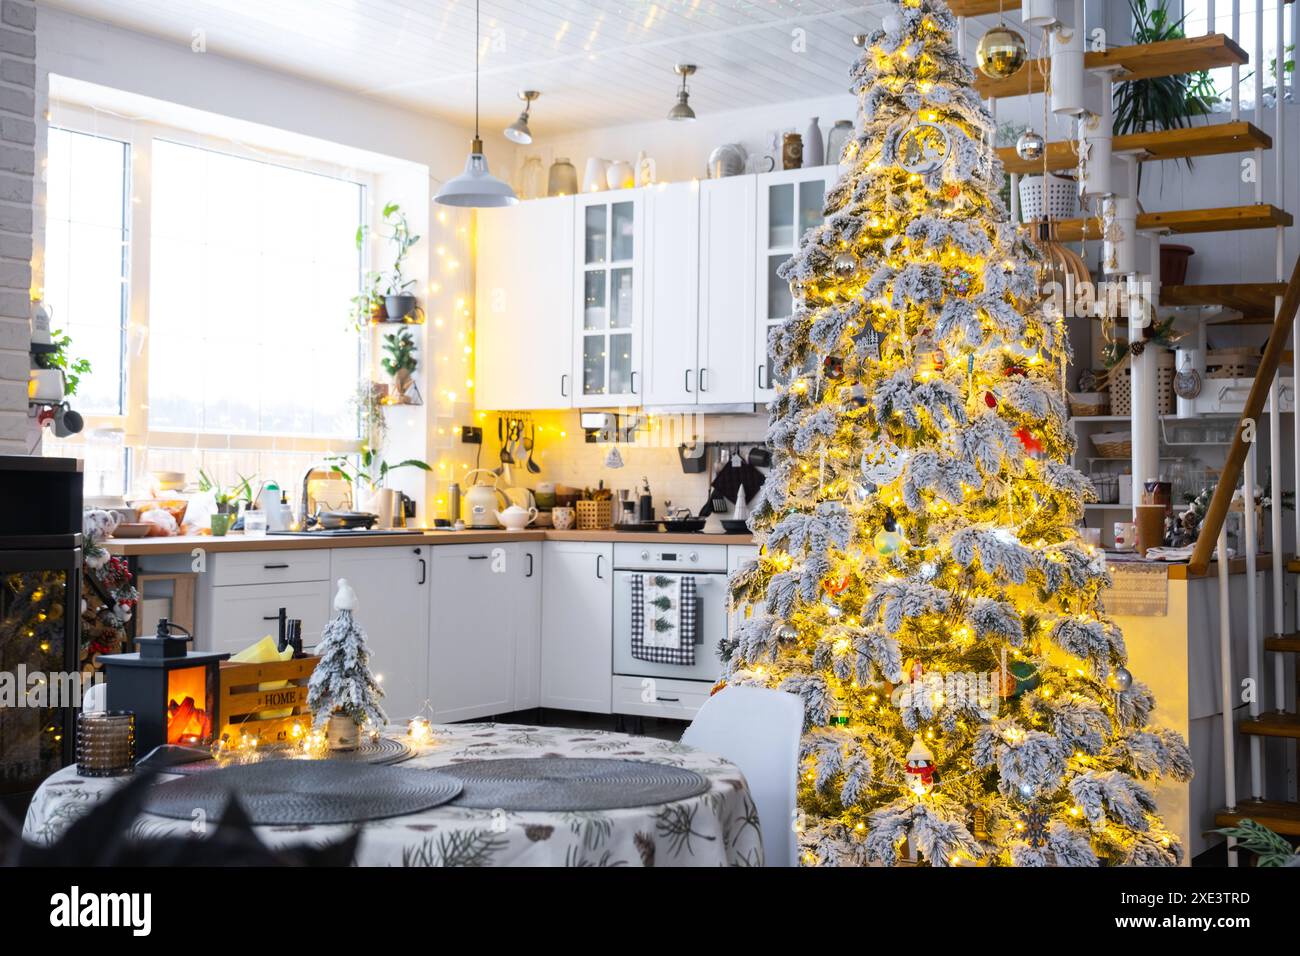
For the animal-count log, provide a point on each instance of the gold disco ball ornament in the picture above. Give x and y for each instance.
(1001, 53)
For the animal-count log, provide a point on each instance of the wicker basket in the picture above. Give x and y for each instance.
(1113, 444)
(1088, 404)
(595, 515)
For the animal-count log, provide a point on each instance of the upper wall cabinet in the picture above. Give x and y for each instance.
(671, 353)
(524, 333)
(608, 297)
(790, 203)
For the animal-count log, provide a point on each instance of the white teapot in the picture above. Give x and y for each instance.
(516, 518)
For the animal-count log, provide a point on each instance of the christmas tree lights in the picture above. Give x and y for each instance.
(921, 582)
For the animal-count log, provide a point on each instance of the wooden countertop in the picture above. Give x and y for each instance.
(183, 544)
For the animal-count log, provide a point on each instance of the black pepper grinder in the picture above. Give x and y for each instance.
(645, 506)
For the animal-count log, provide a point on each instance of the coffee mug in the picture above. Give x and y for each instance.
(562, 518)
(1125, 536)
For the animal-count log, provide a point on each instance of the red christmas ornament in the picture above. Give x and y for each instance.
(990, 400)
(1015, 370)
(1032, 444)
(833, 588)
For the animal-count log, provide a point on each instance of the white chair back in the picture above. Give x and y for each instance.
(758, 730)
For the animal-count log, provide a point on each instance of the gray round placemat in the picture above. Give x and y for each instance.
(381, 752)
(570, 783)
(304, 792)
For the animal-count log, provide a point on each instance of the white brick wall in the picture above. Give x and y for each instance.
(17, 178)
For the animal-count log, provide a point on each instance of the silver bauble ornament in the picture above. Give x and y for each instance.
(845, 265)
(1121, 680)
(1001, 53)
(1030, 146)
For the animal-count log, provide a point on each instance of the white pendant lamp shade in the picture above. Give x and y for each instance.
(1039, 13)
(476, 187)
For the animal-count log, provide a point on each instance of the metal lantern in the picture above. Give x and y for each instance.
(173, 692)
(1030, 146)
(1001, 52)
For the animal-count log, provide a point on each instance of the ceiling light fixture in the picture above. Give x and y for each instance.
(518, 131)
(476, 187)
(681, 110)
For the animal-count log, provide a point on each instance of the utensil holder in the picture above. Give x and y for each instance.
(595, 515)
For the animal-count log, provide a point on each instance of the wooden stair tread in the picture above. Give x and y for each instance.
(1138, 62)
(1216, 139)
(1283, 643)
(1272, 725)
(980, 8)
(1293, 565)
(1279, 816)
(1254, 300)
(1184, 221)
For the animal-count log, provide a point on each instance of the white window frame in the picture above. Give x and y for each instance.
(139, 134)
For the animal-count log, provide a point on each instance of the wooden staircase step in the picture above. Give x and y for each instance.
(1284, 643)
(1139, 62)
(1254, 300)
(1278, 815)
(1185, 221)
(1272, 725)
(1216, 139)
(1293, 565)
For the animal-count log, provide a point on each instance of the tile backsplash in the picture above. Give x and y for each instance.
(567, 458)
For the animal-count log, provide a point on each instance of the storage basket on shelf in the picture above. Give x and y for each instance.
(1106, 486)
(1062, 197)
(1088, 404)
(1120, 385)
(1113, 444)
(595, 515)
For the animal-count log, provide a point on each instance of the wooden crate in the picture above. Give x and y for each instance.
(239, 700)
(595, 515)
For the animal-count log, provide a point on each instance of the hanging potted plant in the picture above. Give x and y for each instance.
(399, 300)
(400, 364)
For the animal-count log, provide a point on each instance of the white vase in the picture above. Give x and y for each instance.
(814, 153)
(342, 733)
(596, 178)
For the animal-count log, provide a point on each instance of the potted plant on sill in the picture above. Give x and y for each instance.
(400, 363)
(227, 500)
(57, 373)
(368, 305)
(369, 478)
(399, 301)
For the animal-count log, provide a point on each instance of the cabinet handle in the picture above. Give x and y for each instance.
(274, 567)
(270, 617)
(564, 385)
(424, 571)
(633, 378)
(688, 380)
(762, 368)
(529, 556)
(667, 700)
(599, 576)
(704, 382)
(477, 557)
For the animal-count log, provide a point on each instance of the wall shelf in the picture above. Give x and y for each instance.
(1140, 62)
(1215, 140)
(1185, 221)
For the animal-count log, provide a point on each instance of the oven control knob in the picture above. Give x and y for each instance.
(694, 556)
(645, 555)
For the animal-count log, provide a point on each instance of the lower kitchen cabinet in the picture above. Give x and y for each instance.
(577, 621)
(484, 644)
(392, 587)
(235, 616)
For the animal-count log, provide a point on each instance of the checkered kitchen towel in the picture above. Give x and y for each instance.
(672, 615)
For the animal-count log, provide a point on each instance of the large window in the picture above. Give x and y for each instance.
(1197, 23)
(209, 284)
(87, 256)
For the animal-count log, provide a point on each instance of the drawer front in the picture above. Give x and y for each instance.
(675, 699)
(268, 567)
(243, 614)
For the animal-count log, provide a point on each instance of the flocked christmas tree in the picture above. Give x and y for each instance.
(922, 585)
(342, 682)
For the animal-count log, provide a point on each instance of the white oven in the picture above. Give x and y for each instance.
(669, 690)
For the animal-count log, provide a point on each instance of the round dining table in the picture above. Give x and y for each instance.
(719, 827)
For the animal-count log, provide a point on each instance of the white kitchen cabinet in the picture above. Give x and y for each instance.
(738, 555)
(790, 203)
(608, 298)
(484, 651)
(577, 626)
(234, 616)
(523, 321)
(392, 587)
(728, 210)
(671, 359)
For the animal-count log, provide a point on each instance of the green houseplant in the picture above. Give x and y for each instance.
(399, 301)
(60, 358)
(1160, 102)
(400, 363)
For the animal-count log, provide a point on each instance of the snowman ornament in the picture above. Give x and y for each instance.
(921, 776)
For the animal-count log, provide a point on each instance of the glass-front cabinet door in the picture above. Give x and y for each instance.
(607, 329)
(789, 204)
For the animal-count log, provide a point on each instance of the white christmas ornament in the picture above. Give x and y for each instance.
(923, 148)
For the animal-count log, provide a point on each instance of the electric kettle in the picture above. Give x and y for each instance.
(481, 501)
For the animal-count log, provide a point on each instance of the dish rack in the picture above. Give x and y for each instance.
(1106, 486)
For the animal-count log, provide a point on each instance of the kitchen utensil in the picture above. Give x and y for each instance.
(529, 444)
(736, 525)
(545, 495)
(254, 524)
(692, 458)
(481, 500)
(726, 160)
(760, 456)
(645, 509)
(515, 518)
(563, 517)
(1125, 533)
(131, 529)
(332, 520)
(1150, 527)
(638, 527)
(562, 179)
(683, 525)
(760, 164)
